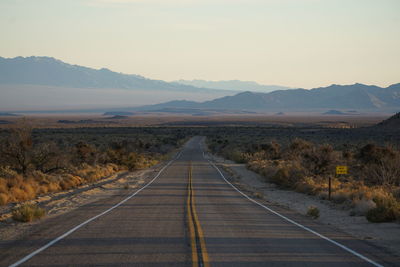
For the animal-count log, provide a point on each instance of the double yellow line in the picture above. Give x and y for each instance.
(199, 250)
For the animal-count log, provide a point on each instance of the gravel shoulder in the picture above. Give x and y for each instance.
(384, 235)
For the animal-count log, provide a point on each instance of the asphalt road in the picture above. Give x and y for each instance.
(188, 216)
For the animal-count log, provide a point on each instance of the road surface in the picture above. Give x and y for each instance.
(188, 215)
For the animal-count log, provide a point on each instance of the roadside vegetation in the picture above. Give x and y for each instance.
(37, 162)
(28, 213)
(371, 189)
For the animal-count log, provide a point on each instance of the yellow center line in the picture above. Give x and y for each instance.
(199, 250)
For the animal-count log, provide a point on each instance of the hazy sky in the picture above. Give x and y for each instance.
(298, 43)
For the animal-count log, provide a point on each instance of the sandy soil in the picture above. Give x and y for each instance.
(386, 235)
(59, 203)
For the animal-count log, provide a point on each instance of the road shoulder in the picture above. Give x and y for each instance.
(110, 189)
(382, 235)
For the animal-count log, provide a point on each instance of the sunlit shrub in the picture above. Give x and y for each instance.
(3, 199)
(387, 209)
(28, 213)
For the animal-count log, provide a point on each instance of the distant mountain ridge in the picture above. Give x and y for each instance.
(233, 85)
(391, 123)
(54, 83)
(356, 96)
(49, 71)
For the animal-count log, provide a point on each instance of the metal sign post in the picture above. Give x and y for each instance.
(329, 187)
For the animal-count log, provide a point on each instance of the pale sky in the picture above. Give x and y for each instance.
(297, 43)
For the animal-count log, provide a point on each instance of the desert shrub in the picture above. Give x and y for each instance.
(363, 206)
(308, 185)
(272, 150)
(29, 187)
(372, 153)
(7, 172)
(305, 166)
(387, 209)
(41, 161)
(17, 194)
(3, 199)
(48, 157)
(132, 161)
(320, 160)
(288, 174)
(236, 156)
(258, 195)
(282, 177)
(85, 153)
(384, 171)
(266, 168)
(69, 181)
(3, 185)
(396, 193)
(313, 212)
(341, 196)
(298, 147)
(16, 150)
(27, 213)
(53, 187)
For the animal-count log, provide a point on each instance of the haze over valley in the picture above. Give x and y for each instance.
(44, 83)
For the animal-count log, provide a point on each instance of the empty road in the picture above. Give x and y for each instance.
(188, 215)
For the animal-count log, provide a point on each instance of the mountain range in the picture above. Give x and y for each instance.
(358, 97)
(233, 85)
(49, 71)
(391, 123)
(49, 84)
(46, 83)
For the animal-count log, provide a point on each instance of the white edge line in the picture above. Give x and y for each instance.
(296, 223)
(31, 255)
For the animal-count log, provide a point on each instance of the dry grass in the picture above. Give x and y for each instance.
(28, 213)
(14, 188)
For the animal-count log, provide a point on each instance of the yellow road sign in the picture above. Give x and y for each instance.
(341, 169)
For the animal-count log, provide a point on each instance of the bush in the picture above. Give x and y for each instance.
(308, 186)
(375, 154)
(320, 160)
(288, 174)
(3, 199)
(341, 196)
(258, 195)
(272, 150)
(27, 213)
(362, 206)
(313, 212)
(45, 161)
(387, 209)
(298, 147)
(235, 155)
